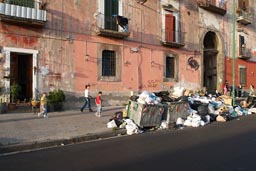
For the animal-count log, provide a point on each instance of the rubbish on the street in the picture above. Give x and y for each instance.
(181, 109)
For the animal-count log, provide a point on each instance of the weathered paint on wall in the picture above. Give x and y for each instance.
(70, 50)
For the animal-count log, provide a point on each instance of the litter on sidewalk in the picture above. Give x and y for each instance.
(179, 109)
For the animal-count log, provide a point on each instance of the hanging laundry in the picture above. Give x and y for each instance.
(121, 21)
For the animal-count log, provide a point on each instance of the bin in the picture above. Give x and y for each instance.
(145, 115)
(176, 110)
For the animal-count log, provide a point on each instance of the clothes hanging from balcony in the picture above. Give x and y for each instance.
(121, 21)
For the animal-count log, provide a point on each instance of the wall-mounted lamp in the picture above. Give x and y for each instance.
(152, 63)
(86, 57)
(141, 1)
(35, 69)
(134, 50)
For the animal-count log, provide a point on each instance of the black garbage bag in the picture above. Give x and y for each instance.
(212, 117)
(162, 93)
(195, 104)
(118, 118)
(134, 98)
(202, 109)
(167, 99)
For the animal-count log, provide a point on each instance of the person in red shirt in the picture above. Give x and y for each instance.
(98, 103)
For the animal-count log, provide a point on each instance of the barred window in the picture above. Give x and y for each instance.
(242, 75)
(108, 63)
(170, 67)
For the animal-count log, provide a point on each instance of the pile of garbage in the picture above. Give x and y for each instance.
(200, 110)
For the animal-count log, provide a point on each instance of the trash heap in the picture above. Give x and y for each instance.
(179, 109)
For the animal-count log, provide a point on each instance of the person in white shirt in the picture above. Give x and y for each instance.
(86, 99)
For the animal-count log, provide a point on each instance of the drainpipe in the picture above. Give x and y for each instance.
(233, 51)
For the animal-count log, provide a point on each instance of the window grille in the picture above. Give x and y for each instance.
(108, 63)
(242, 74)
(170, 67)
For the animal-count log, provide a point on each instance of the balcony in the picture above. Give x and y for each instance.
(213, 6)
(114, 26)
(244, 17)
(173, 38)
(22, 12)
(245, 53)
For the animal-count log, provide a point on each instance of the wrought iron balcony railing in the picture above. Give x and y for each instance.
(245, 53)
(173, 38)
(218, 7)
(244, 17)
(112, 26)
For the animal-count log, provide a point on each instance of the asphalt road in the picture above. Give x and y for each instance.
(226, 146)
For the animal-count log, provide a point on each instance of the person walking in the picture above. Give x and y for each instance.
(86, 99)
(43, 105)
(251, 89)
(98, 102)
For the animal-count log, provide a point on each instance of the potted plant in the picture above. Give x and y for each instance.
(56, 99)
(15, 91)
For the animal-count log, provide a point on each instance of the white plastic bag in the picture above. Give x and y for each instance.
(111, 124)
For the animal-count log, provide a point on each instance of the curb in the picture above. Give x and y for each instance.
(55, 143)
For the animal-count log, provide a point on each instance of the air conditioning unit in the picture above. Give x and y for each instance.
(2, 7)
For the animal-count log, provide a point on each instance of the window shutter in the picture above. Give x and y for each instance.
(240, 4)
(169, 28)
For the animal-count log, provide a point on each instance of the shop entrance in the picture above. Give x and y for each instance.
(21, 73)
(210, 61)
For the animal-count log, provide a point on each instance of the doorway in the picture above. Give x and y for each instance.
(21, 72)
(210, 62)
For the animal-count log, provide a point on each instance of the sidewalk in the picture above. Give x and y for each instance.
(25, 131)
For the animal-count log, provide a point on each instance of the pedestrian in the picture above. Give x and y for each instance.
(225, 88)
(43, 105)
(239, 93)
(87, 99)
(34, 103)
(98, 102)
(251, 89)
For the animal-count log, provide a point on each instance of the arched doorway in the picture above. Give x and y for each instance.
(210, 52)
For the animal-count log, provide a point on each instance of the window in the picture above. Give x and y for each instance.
(170, 67)
(242, 75)
(243, 5)
(242, 45)
(108, 63)
(110, 10)
(169, 28)
(172, 28)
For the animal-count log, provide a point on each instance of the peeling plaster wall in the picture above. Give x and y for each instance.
(69, 34)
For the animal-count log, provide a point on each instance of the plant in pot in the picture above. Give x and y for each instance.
(15, 91)
(56, 99)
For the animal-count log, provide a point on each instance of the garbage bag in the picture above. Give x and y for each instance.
(202, 109)
(111, 124)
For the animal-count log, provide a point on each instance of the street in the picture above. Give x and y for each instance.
(226, 146)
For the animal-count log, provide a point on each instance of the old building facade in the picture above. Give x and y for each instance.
(122, 47)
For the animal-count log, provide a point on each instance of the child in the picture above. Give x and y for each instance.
(43, 104)
(98, 103)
